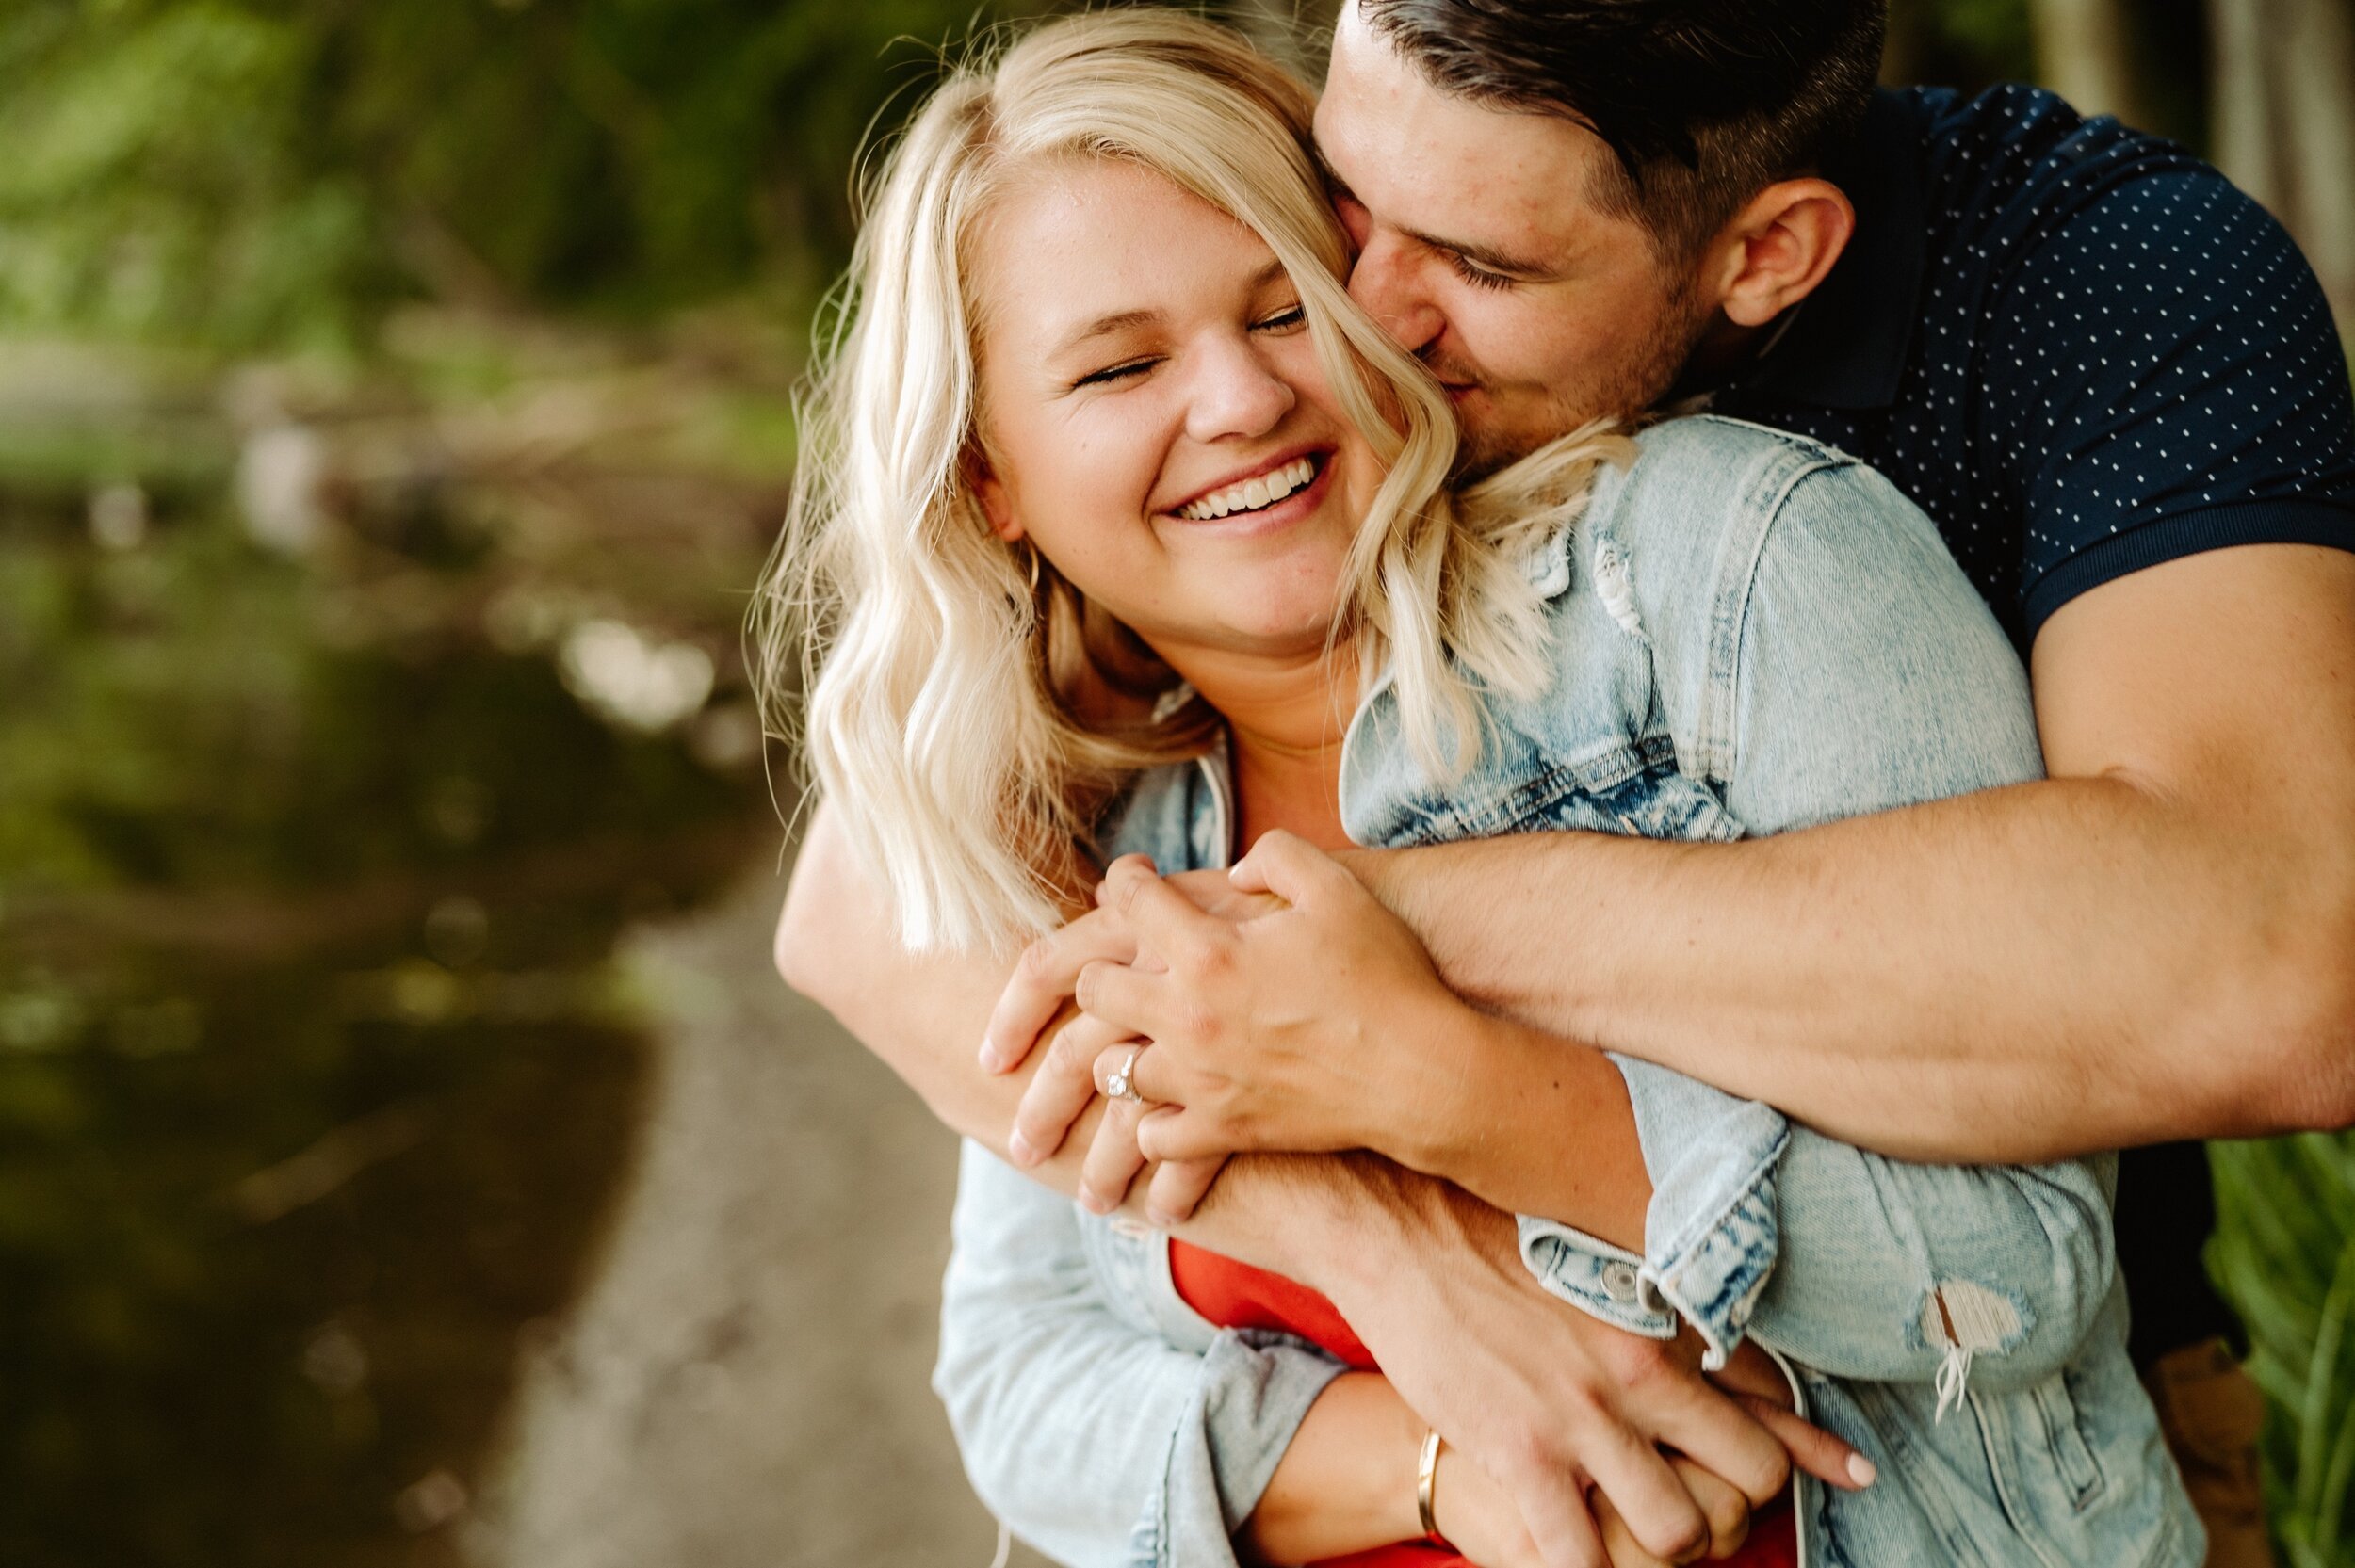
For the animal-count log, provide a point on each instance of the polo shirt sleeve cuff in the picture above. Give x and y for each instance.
(2280, 521)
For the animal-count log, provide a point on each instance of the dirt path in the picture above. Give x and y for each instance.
(743, 1385)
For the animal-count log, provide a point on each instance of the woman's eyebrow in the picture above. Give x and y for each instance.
(1121, 321)
(1104, 325)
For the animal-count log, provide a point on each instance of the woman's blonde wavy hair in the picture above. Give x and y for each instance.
(969, 712)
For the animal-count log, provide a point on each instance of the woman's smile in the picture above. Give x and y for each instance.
(1279, 493)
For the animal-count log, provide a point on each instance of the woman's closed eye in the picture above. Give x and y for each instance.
(1121, 372)
(1290, 318)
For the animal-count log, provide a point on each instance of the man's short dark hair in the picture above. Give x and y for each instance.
(1704, 102)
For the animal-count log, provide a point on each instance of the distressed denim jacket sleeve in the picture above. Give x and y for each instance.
(1839, 664)
(1103, 1438)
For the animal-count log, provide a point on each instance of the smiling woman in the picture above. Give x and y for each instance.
(1137, 454)
(1086, 261)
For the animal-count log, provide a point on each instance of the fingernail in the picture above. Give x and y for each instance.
(1094, 1201)
(1158, 1220)
(989, 1055)
(1860, 1470)
(1020, 1148)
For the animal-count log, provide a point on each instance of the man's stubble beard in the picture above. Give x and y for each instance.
(1632, 387)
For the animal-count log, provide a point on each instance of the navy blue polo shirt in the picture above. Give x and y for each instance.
(2078, 347)
(2083, 352)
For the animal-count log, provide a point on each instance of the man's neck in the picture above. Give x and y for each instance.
(1724, 351)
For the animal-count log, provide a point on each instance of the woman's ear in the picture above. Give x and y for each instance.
(1779, 246)
(988, 489)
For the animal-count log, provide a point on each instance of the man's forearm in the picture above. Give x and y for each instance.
(2014, 975)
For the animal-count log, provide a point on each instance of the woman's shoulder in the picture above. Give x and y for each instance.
(1700, 480)
(1739, 541)
(1693, 518)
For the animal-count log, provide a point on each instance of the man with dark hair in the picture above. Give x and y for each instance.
(2111, 380)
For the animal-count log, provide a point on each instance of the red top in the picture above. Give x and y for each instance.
(1237, 1295)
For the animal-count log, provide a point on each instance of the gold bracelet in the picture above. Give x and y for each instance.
(1426, 1474)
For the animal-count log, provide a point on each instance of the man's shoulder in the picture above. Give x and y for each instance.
(2012, 163)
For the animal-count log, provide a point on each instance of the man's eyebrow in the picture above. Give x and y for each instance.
(1478, 255)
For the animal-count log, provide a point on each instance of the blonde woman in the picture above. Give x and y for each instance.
(1129, 534)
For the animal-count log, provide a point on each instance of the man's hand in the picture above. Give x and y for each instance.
(1544, 1399)
(1303, 1020)
(1482, 1521)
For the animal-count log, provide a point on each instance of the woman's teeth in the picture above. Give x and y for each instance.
(1252, 494)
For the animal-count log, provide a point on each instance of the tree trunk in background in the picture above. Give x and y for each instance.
(2082, 54)
(1906, 45)
(2282, 79)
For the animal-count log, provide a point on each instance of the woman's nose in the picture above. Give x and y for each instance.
(1237, 394)
(1390, 285)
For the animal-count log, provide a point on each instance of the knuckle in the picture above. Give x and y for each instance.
(1646, 1364)
(1215, 955)
(1070, 1053)
(1038, 960)
(1681, 1539)
(1200, 1025)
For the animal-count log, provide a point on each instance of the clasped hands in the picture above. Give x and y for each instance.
(1279, 1007)
(1276, 1007)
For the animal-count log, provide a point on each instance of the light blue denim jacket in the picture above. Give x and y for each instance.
(1753, 633)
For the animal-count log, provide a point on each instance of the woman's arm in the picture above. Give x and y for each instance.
(1088, 1433)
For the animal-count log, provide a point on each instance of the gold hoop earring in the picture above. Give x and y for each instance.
(1031, 550)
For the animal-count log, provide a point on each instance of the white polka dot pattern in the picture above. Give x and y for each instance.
(2117, 358)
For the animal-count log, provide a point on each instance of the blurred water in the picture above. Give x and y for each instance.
(317, 1079)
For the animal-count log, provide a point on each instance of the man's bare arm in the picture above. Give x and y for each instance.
(1538, 1393)
(2158, 942)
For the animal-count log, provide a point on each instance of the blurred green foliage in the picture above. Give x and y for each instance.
(266, 174)
(2284, 1252)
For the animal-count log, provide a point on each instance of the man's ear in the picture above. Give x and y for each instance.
(988, 489)
(1778, 246)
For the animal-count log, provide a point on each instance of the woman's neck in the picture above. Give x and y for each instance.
(1285, 721)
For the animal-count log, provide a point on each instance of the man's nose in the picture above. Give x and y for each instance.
(1391, 283)
(1236, 393)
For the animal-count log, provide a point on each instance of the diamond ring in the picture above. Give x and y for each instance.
(1122, 1084)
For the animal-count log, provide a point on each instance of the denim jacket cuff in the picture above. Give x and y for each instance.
(1605, 1282)
(1255, 1390)
(1711, 1233)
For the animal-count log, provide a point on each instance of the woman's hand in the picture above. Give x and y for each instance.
(1306, 1021)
